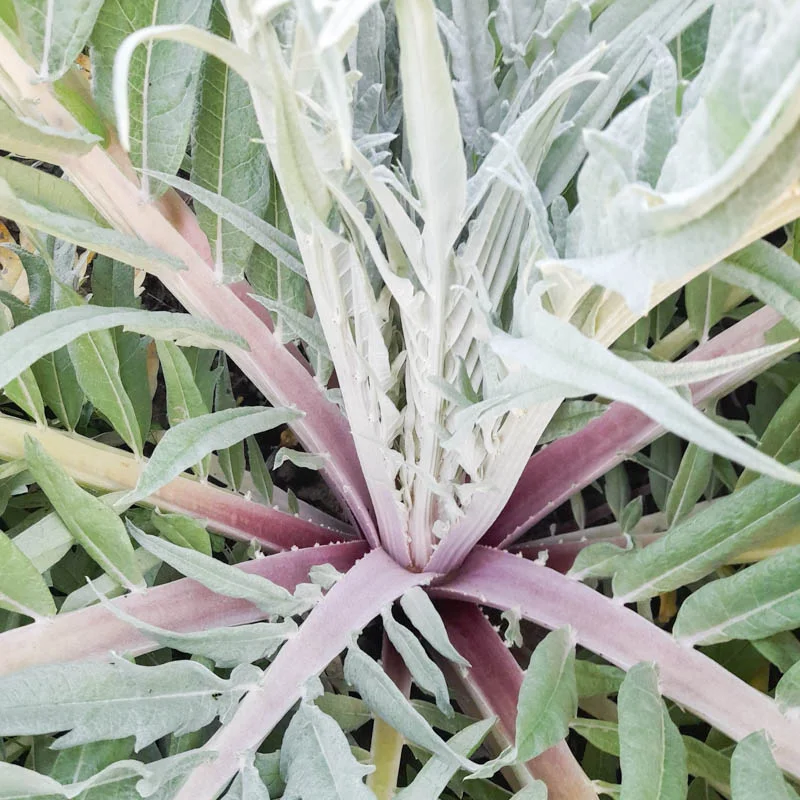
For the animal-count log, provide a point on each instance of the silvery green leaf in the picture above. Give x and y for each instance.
(18, 783)
(600, 733)
(45, 542)
(325, 575)
(316, 761)
(298, 325)
(349, 712)
(247, 785)
(26, 343)
(618, 489)
(226, 160)
(754, 772)
(705, 298)
(182, 530)
(436, 773)
(22, 588)
(596, 679)
(652, 754)
(386, 701)
(55, 33)
(689, 484)
(787, 692)
(258, 470)
(269, 770)
(780, 649)
(299, 458)
(557, 351)
(97, 701)
(73, 224)
(343, 16)
(472, 61)
(226, 647)
(231, 459)
(513, 632)
(695, 547)
(224, 579)
(162, 78)
(548, 697)
(758, 601)
(572, 415)
(599, 560)
(75, 764)
(187, 443)
(423, 670)
(423, 615)
(769, 274)
(703, 761)
(29, 138)
(92, 523)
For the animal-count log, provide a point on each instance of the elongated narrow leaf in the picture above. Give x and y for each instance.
(559, 352)
(268, 236)
(299, 458)
(56, 32)
(226, 160)
(432, 126)
(96, 701)
(231, 459)
(754, 772)
(706, 540)
(45, 542)
(689, 484)
(24, 390)
(187, 443)
(548, 697)
(162, 79)
(183, 531)
(387, 702)
(316, 761)
(225, 579)
(423, 670)
(22, 588)
(93, 524)
(26, 343)
(247, 785)
(769, 274)
(787, 692)
(434, 776)
(599, 560)
(226, 647)
(758, 601)
(652, 754)
(425, 618)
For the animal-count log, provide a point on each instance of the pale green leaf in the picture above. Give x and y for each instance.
(548, 697)
(24, 390)
(226, 160)
(705, 298)
(26, 343)
(97, 701)
(754, 772)
(45, 542)
(226, 647)
(183, 531)
(224, 579)
(787, 692)
(423, 670)
(92, 523)
(161, 81)
(690, 482)
(572, 415)
(705, 762)
(556, 351)
(436, 773)
(386, 701)
(56, 31)
(187, 443)
(701, 543)
(596, 679)
(423, 615)
(299, 458)
(247, 785)
(316, 761)
(758, 601)
(231, 459)
(22, 588)
(652, 754)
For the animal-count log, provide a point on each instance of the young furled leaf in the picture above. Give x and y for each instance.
(224, 579)
(316, 761)
(93, 524)
(756, 602)
(192, 440)
(754, 772)
(652, 754)
(22, 588)
(97, 701)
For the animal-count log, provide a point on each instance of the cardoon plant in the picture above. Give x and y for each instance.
(484, 258)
